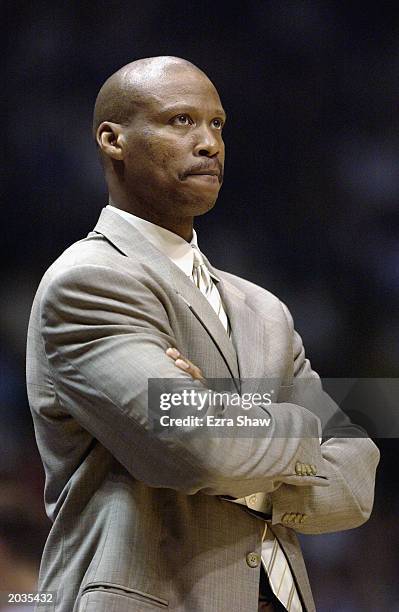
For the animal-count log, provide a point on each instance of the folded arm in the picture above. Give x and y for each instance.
(105, 334)
(351, 459)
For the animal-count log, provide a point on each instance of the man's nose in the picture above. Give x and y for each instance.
(208, 143)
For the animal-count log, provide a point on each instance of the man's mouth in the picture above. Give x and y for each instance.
(212, 172)
(204, 173)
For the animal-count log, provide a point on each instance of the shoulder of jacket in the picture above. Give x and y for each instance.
(80, 261)
(254, 293)
(251, 289)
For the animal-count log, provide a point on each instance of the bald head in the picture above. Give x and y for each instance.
(125, 91)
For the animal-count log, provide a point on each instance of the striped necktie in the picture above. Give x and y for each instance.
(203, 280)
(279, 573)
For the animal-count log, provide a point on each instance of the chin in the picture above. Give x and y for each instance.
(194, 202)
(200, 203)
(203, 206)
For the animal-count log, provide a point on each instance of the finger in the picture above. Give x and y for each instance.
(179, 359)
(190, 368)
(185, 364)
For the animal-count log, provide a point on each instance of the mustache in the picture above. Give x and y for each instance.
(211, 166)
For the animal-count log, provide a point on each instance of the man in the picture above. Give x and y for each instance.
(185, 522)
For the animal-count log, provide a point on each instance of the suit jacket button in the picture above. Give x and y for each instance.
(253, 559)
(252, 500)
(288, 517)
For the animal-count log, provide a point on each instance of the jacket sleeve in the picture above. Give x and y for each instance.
(105, 333)
(351, 459)
(345, 504)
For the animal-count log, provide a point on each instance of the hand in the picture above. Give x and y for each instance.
(185, 364)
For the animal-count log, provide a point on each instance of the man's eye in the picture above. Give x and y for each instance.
(217, 123)
(182, 120)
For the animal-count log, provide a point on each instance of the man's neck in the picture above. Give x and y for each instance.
(181, 227)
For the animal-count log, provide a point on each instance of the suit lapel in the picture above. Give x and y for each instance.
(248, 330)
(255, 340)
(132, 243)
(203, 311)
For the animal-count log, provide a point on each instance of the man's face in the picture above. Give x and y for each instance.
(173, 149)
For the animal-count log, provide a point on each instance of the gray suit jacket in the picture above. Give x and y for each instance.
(139, 519)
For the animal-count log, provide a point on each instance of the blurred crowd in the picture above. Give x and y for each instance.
(308, 210)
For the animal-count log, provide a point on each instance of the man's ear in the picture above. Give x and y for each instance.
(110, 139)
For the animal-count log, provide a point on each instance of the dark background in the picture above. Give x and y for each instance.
(308, 208)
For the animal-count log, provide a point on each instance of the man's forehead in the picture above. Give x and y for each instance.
(184, 95)
(169, 85)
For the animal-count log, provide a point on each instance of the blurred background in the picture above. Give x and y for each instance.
(309, 210)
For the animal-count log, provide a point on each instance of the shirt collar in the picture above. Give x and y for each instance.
(179, 251)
